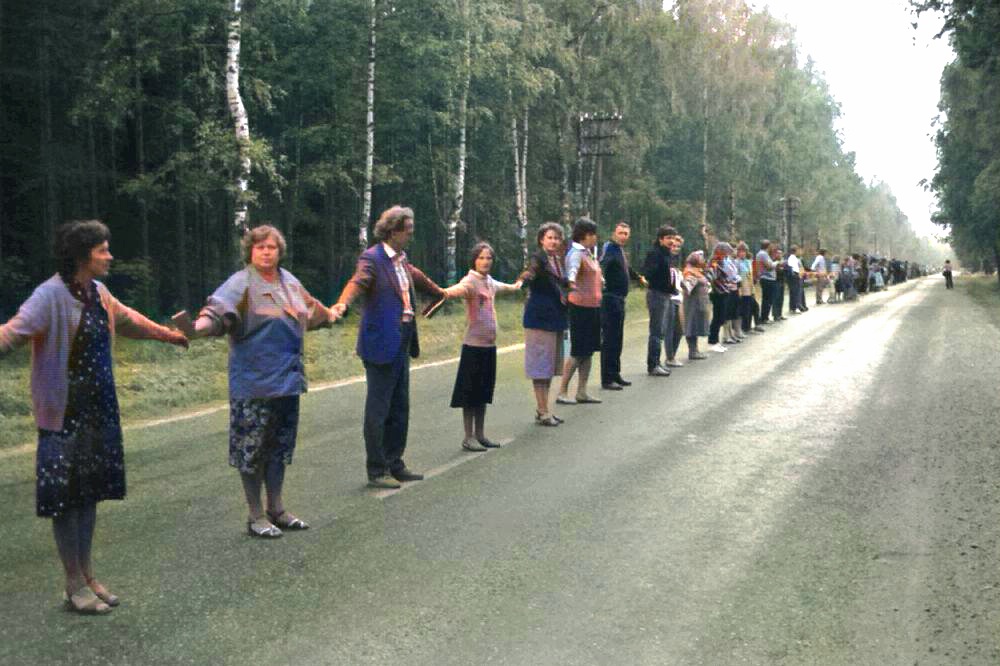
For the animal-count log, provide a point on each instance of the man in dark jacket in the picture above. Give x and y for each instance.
(656, 270)
(617, 273)
(387, 338)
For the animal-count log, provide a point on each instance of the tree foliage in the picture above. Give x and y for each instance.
(116, 109)
(967, 182)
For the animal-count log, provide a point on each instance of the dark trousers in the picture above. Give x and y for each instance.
(747, 306)
(719, 312)
(948, 284)
(387, 410)
(661, 325)
(612, 336)
(795, 300)
(767, 289)
(777, 299)
(678, 329)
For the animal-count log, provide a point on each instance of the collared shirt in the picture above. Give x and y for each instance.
(398, 263)
(794, 264)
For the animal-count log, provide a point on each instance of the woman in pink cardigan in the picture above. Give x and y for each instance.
(477, 368)
(71, 320)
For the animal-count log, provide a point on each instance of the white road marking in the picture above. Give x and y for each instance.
(438, 471)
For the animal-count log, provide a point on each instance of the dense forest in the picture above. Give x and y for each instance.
(485, 116)
(967, 182)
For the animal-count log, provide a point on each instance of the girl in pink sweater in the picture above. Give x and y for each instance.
(477, 368)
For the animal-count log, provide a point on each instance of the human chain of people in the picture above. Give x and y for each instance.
(575, 308)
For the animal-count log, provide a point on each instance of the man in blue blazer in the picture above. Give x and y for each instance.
(387, 339)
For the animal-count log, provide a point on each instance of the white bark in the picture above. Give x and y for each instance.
(458, 202)
(519, 140)
(239, 115)
(366, 209)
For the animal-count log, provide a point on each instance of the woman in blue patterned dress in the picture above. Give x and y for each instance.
(266, 312)
(70, 320)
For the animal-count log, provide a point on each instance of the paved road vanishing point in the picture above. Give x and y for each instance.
(827, 493)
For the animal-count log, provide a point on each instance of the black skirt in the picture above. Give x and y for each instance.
(477, 375)
(584, 331)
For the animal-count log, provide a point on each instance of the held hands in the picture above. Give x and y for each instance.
(337, 311)
(175, 337)
(519, 283)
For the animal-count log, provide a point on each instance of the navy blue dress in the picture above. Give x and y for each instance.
(84, 463)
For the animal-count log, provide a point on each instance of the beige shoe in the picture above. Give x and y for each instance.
(85, 602)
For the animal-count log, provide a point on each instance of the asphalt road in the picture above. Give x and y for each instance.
(823, 494)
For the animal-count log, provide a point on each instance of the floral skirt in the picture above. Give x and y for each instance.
(79, 468)
(262, 430)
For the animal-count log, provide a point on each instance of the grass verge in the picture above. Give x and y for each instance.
(157, 381)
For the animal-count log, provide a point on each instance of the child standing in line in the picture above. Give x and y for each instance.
(477, 368)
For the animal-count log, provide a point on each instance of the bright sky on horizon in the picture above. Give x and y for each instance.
(886, 77)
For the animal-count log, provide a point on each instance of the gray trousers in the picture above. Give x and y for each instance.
(661, 326)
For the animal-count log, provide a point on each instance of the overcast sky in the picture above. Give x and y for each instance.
(886, 77)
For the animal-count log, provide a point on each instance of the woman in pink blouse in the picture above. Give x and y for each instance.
(71, 320)
(477, 368)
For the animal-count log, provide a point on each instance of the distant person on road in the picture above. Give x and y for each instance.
(780, 275)
(724, 281)
(793, 275)
(696, 287)
(544, 318)
(656, 268)
(838, 284)
(747, 303)
(265, 312)
(617, 274)
(948, 284)
(71, 320)
(586, 282)
(676, 303)
(387, 340)
(820, 269)
(477, 367)
(765, 272)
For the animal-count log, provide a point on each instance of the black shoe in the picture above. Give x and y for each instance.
(383, 481)
(611, 387)
(407, 474)
(619, 380)
(490, 445)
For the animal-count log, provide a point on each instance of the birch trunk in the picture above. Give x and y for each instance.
(704, 163)
(564, 189)
(451, 240)
(366, 208)
(732, 212)
(239, 115)
(519, 140)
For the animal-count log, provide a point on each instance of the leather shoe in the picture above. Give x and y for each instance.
(659, 371)
(619, 380)
(611, 387)
(383, 481)
(407, 474)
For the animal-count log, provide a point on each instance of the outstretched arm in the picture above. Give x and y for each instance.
(30, 320)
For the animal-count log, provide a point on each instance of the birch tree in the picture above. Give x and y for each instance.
(366, 208)
(238, 113)
(458, 200)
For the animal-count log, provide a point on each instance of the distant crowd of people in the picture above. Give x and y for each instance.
(575, 308)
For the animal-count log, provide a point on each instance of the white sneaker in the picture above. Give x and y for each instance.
(718, 348)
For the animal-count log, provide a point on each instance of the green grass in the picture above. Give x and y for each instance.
(156, 380)
(984, 290)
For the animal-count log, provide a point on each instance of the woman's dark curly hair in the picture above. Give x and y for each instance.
(73, 243)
